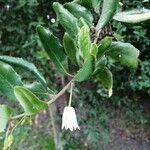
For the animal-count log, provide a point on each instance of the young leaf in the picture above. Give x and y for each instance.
(126, 53)
(80, 11)
(53, 48)
(84, 41)
(133, 16)
(82, 22)
(5, 114)
(8, 142)
(106, 79)
(66, 19)
(87, 69)
(8, 79)
(108, 10)
(25, 65)
(94, 49)
(30, 102)
(70, 47)
(104, 45)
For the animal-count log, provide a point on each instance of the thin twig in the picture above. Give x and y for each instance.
(97, 36)
(60, 93)
(17, 117)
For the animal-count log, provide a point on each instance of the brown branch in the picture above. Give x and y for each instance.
(60, 93)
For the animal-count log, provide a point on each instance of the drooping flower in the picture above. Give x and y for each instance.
(110, 92)
(69, 119)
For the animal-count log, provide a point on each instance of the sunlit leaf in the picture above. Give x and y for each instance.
(94, 49)
(84, 41)
(133, 16)
(125, 53)
(30, 102)
(5, 114)
(8, 142)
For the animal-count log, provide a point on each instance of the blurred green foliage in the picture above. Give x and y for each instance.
(138, 82)
(18, 38)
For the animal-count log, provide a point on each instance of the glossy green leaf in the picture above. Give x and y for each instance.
(80, 11)
(103, 46)
(104, 76)
(8, 79)
(66, 19)
(133, 16)
(94, 49)
(70, 47)
(87, 69)
(5, 114)
(108, 10)
(19, 62)
(84, 41)
(125, 53)
(53, 48)
(37, 88)
(30, 102)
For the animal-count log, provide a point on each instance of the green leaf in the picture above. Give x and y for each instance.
(94, 49)
(5, 114)
(105, 78)
(96, 5)
(8, 142)
(108, 10)
(87, 69)
(30, 102)
(100, 63)
(133, 16)
(70, 47)
(82, 22)
(37, 88)
(84, 41)
(19, 62)
(80, 11)
(8, 79)
(67, 20)
(104, 45)
(53, 48)
(86, 3)
(125, 53)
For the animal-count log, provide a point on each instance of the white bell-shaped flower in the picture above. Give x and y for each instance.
(69, 119)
